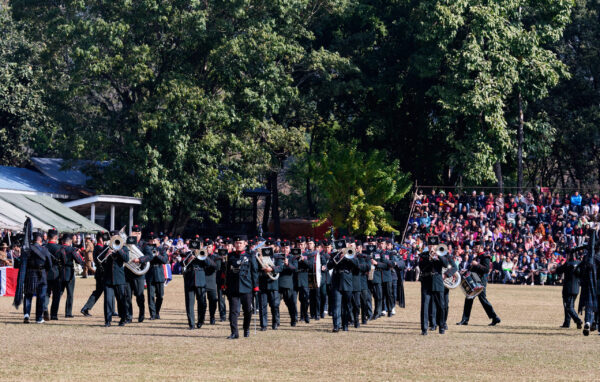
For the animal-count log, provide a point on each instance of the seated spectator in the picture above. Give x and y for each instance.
(4, 260)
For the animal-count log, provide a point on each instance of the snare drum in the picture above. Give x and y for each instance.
(471, 284)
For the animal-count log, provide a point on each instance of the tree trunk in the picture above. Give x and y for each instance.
(267, 210)
(520, 145)
(498, 170)
(309, 200)
(275, 201)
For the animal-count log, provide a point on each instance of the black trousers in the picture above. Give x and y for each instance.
(568, 303)
(426, 298)
(54, 289)
(245, 299)
(195, 294)
(70, 287)
(95, 296)
(135, 287)
(39, 302)
(323, 294)
(342, 306)
(270, 299)
(315, 303)
(156, 292)
(303, 296)
(355, 305)
(213, 298)
(222, 305)
(446, 304)
(388, 297)
(289, 297)
(366, 306)
(329, 300)
(377, 296)
(110, 292)
(489, 310)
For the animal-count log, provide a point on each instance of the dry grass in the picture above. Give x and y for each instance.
(527, 345)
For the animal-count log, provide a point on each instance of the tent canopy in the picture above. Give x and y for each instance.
(44, 211)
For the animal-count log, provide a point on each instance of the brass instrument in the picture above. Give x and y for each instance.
(266, 262)
(344, 253)
(116, 243)
(199, 253)
(451, 280)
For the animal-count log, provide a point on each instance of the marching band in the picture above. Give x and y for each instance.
(353, 281)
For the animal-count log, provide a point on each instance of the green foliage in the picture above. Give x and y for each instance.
(357, 186)
(21, 106)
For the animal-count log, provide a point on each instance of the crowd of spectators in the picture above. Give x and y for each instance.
(526, 234)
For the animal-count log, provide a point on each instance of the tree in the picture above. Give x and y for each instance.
(21, 98)
(357, 187)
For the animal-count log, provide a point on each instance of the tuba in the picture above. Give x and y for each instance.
(451, 277)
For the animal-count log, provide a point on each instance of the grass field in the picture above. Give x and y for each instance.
(527, 345)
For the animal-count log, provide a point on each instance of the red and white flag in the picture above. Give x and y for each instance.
(8, 281)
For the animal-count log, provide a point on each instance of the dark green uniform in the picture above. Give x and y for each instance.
(114, 285)
(135, 287)
(342, 284)
(432, 287)
(304, 267)
(570, 291)
(195, 283)
(241, 281)
(54, 280)
(99, 277)
(286, 285)
(67, 276)
(155, 280)
(482, 269)
(212, 293)
(269, 295)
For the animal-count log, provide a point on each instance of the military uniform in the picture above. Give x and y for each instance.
(386, 281)
(269, 295)
(570, 290)
(366, 306)
(135, 286)
(39, 262)
(155, 280)
(221, 275)
(212, 289)
(315, 293)
(114, 285)
(376, 283)
(194, 279)
(432, 288)
(286, 285)
(241, 282)
(357, 275)
(400, 266)
(324, 289)
(342, 284)
(481, 269)
(305, 265)
(99, 277)
(53, 279)
(67, 277)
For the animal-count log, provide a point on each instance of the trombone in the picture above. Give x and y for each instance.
(116, 243)
(200, 254)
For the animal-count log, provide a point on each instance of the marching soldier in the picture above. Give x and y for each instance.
(481, 266)
(103, 238)
(286, 280)
(366, 306)
(39, 262)
(66, 276)
(377, 279)
(432, 285)
(386, 278)
(211, 280)
(357, 275)
(325, 288)
(570, 290)
(54, 281)
(342, 286)
(196, 266)
(135, 283)
(241, 282)
(305, 265)
(268, 294)
(114, 283)
(221, 274)
(155, 277)
(314, 292)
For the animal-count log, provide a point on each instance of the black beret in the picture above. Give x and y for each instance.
(285, 243)
(67, 236)
(227, 240)
(300, 239)
(269, 241)
(36, 235)
(52, 232)
(207, 241)
(151, 236)
(240, 238)
(135, 228)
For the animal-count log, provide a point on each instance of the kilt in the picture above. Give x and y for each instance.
(33, 278)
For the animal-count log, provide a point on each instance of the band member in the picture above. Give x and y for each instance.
(268, 288)
(102, 239)
(67, 255)
(570, 290)
(587, 271)
(54, 281)
(315, 292)
(325, 288)
(222, 271)
(286, 280)
(342, 285)
(196, 265)
(305, 265)
(400, 266)
(241, 282)
(135, 283)
(377, 279)
(39, 261)
(432, 285)
(211, 280)
(387, 264)
(114, 283)
(358, 272)
(480, 266)
(155, 277)
(366, 306)
(393, 255)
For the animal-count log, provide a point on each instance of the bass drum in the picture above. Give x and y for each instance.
(314, 277)
(471, 284)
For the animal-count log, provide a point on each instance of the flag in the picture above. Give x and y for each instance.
(8, 281)
(168, 274)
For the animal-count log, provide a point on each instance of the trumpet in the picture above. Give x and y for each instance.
(345, 253)
(200, 254)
